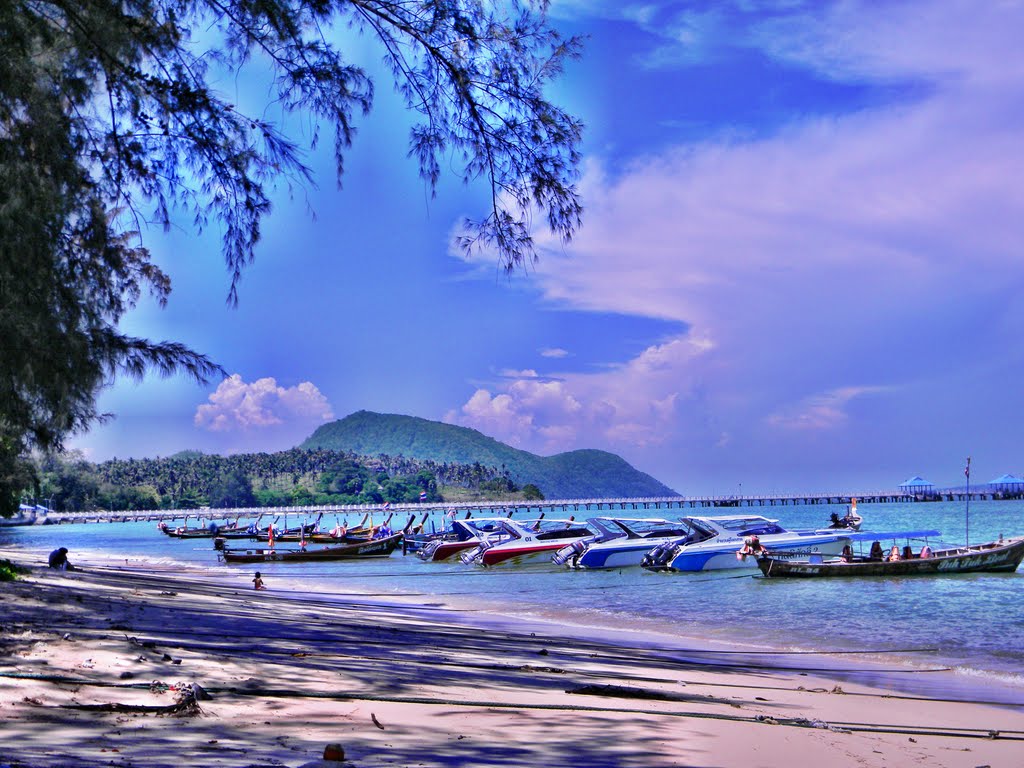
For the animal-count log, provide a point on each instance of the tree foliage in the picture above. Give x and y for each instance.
(110, 122)
(295, 477)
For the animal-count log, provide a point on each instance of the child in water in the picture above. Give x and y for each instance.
(257, 582)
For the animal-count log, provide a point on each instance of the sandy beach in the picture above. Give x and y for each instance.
(139, 666)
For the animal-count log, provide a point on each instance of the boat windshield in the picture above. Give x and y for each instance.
(699, 531)
(749, 526)
(653, 528)
(472, 529)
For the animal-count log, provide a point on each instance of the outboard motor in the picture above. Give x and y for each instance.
(218, 543)
(426, 552)
(659, 557)
(569, 554)
(475, 554)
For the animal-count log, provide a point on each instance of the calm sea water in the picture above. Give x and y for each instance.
(971, 622)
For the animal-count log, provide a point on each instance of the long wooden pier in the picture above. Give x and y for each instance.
(500, 508)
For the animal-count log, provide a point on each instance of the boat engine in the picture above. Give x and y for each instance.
(659, 557)
(426, 552)
(568, 554)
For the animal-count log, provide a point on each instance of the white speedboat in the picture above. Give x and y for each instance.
(620, 542)
(520, 542)
(460, 536)
(715, 543)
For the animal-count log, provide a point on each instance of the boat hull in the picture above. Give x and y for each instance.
(992, 557)
(356, 550)
(532, 555)
(697, 559)
(595, 558)
(445, 550)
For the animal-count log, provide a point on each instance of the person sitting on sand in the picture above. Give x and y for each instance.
(59, 559)
(257, 582)
(876, 551)
(894, 554)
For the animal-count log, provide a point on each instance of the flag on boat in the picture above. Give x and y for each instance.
(423, 495)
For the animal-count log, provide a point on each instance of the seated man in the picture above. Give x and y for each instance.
(59, 559)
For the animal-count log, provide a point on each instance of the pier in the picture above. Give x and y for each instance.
(517, 507)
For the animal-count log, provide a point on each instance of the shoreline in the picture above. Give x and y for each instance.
(897, 669)
(435, 685)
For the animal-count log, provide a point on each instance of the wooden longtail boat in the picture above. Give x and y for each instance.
(994, 556)
(361, 548)
(208, 531)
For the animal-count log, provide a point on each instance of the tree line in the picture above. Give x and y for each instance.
(297, 477)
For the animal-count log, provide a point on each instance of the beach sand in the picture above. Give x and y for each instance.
(93, 659)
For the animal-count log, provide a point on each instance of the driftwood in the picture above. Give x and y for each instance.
(187, 705)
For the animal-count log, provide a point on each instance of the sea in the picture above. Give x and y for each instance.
(969, 624)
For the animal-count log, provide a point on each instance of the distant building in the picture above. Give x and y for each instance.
(917, 486)
(1007, 484)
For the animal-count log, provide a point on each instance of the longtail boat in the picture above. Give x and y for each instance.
(993, 556)
(208, 531)
(355, 549)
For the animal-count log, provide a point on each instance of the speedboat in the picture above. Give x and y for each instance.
(735, 541)
(518, 542)
(620, 542)
(460, 536)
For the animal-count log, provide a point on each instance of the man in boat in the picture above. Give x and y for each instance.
(751, 546)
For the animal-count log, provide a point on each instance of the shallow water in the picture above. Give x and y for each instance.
(971, 622)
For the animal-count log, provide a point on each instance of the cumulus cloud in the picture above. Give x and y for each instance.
(240, 406)
(624, 404)
(871, 246)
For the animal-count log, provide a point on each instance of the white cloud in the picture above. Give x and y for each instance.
(870, 247)
(625, 404)
(238, 406)
(821, 412)
(554, 353)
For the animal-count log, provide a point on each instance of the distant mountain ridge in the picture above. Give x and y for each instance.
(586, 473)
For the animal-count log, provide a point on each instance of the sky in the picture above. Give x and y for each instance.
(799, 268)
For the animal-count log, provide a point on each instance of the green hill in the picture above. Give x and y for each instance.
(575, 474)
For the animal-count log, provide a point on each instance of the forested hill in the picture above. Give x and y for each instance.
(575, 474)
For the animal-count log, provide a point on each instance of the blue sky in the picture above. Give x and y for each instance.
(799, 268)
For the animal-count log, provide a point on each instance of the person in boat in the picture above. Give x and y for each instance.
(751, 546)
(847, 554)
(894, 554)
(876, 551)
(257, 582)
(926, 552)
(836, 522)
(908, 553)
(59, 559)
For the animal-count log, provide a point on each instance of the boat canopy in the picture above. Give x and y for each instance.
(872, 535)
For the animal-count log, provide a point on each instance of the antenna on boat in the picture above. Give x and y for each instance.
(967, 505)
